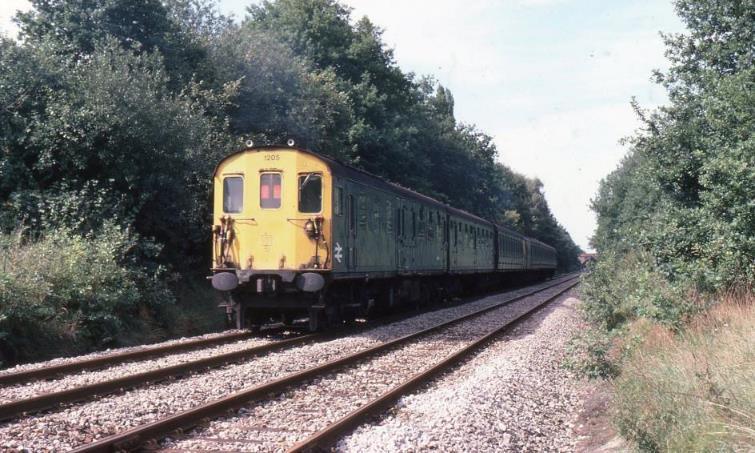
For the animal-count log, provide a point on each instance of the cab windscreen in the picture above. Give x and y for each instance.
(270, 190)
(310, 193)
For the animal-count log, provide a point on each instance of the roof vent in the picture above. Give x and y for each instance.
(290, 142)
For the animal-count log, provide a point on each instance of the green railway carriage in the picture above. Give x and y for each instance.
(540, 256)
(471, 243)
(512, 250)
(300, 234)
(384, 230)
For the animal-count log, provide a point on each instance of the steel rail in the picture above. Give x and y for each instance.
(119, 357)
(325, 437)
(133, 438)
(49, 400)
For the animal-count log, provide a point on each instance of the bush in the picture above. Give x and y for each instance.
(589, 353)
(693, 391)
(621, 288)
(67, 290)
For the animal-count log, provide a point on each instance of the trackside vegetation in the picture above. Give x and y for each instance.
(670, 298)
(692, 390)
(114, 114)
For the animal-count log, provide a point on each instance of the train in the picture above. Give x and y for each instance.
(297, 234)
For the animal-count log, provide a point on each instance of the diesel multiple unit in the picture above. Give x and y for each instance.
(299, 234)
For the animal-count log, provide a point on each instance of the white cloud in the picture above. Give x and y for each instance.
(570, 152)
(539, 2)
(553, 90)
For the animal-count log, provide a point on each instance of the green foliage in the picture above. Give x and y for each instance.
(64, 287)
(676, 223)
(589, 354)
(280, 96)
(637, 290)
(113, 131)
(79, 26)
(682, 199)
(115, 113)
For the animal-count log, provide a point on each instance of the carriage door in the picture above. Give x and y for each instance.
(405, 242)
(399, 215)
(340, 233)
(351, 229)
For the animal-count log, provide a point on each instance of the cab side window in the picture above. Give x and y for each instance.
(233, 194)
(338, 208)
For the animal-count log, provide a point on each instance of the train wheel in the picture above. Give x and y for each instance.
(333, 315)
(317, 320)
(251, 321)
(287, 319)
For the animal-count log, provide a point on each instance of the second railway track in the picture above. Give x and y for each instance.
(36, 372)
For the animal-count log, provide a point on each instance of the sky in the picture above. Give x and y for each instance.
(550, 80)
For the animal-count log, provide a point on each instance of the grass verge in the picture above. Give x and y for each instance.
(693, 390)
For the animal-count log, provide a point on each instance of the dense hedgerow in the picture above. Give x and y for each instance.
(676, 232)
(78, 290)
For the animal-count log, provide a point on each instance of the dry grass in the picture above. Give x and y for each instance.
(693, 391)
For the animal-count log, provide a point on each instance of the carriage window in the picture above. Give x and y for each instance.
(388, 216)
(270, 190)
(310, 192)
(338, 208)
(376, 223)
(233, 194)
(363, 210)
(399, 226)
(352, 214)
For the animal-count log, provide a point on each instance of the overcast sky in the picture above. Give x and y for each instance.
(550, 80)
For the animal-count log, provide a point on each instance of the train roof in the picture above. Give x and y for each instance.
(342, 169)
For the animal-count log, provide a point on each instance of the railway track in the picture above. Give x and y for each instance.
(329, 434)
(50, 399)
(451, 332)
(134, 354)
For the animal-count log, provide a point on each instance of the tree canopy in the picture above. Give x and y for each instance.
(120, 109)
(680, 206)
(115, 112)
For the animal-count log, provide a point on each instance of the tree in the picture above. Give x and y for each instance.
(108, 125)
(683, 196)
(78, 26)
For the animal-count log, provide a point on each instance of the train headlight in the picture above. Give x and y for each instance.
(225, 281)
(309, 282)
